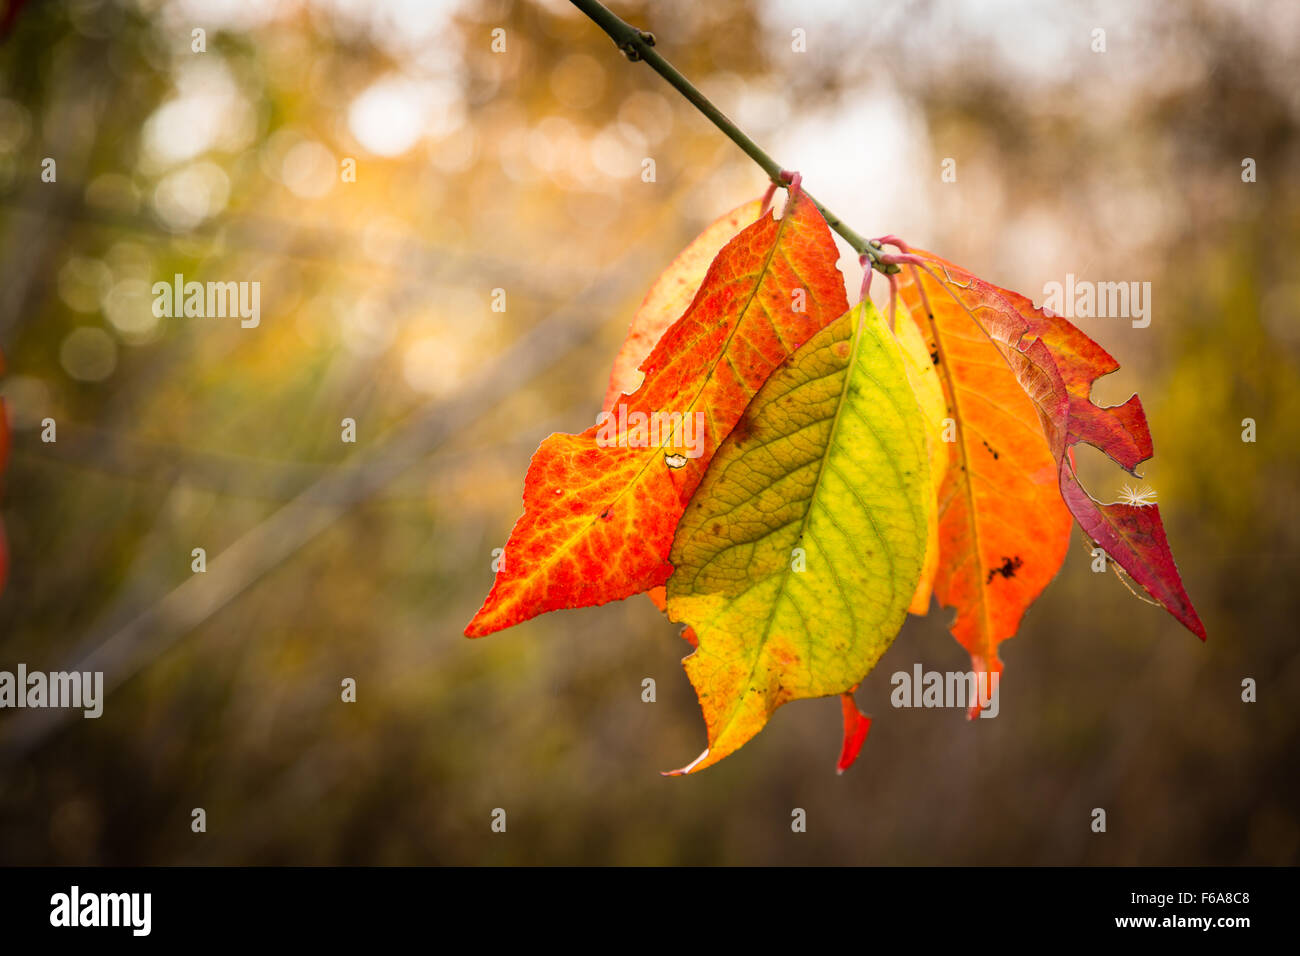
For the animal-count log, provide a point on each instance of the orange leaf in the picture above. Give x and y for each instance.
(1003, 528)
(1058, 364)
(600, 508)
(669, 298)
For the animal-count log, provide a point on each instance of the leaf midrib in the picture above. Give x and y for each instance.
(945, 367)
(786, 572)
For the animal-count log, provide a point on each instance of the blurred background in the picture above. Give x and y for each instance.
(521, 170)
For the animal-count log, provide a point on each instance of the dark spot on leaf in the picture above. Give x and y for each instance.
(1007, 569)
(934, 356)
(605, 514)
(995, 455)
(717, 528)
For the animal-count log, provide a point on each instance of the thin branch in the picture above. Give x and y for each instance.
(639, 45)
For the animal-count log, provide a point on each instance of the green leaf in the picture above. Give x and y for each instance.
(829, 458)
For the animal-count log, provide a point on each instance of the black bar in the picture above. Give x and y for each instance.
(966, 906)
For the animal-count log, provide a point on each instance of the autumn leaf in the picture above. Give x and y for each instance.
(798, 557)
(846, 471)
(923, 376)
(1003, 529)
(600, 508)
(669, 298)
(856, 726)
(1058, 364)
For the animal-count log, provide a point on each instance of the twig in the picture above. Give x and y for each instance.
(639, 45)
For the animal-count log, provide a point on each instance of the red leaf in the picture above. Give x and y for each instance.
(856, 725)
(598, 518)
(1051, 356)
(1003, 530)
(670, 297)
(666, 302)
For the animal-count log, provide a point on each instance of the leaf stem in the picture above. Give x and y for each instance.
(639, 45)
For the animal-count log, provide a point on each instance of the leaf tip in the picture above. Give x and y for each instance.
(987, 680)
(479, 626)
(682, 771)
(856, 726)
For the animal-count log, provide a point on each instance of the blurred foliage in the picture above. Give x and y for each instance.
(521, 171)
